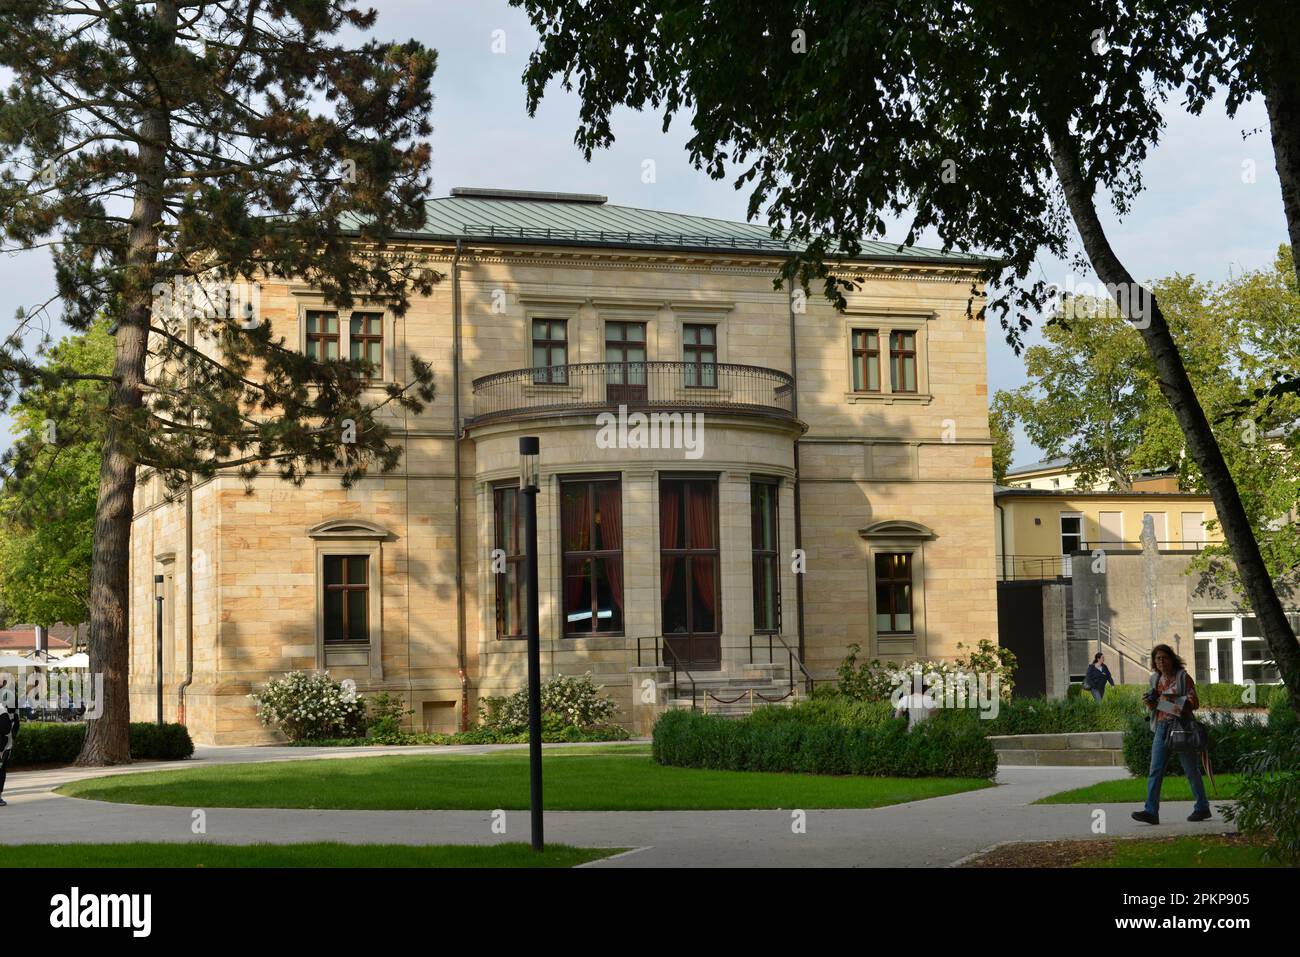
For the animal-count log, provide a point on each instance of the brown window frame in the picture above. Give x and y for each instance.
(761, 557)
(690, 554)
(869, 355)
(365, 338)
(514, 562)
(557, 374)
(592, 555)
(347, 589)
(894, 611)
(897, 359)
(692, 353)
(316, 340)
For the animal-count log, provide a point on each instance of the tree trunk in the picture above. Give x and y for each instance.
(1277, 48)
(1142, 309)
(108, 736)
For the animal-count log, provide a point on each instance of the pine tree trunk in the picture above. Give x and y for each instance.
(1177, 389)
(108, 736)
(1281, 83)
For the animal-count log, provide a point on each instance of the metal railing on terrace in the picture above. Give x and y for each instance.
(636, 385)
(1026, 566)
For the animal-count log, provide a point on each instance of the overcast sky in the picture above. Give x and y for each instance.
(1196, 215)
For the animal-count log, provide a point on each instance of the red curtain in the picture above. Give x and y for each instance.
(609, 500)
(670, 510)
(576, 535)
(703, 522)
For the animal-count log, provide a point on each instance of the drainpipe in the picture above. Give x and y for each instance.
(189, 564)
(798, 498)
(460, 544)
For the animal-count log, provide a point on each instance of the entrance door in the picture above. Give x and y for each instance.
(690, 580)
(1071, 539)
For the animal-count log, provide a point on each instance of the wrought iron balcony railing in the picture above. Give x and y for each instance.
(637, 385)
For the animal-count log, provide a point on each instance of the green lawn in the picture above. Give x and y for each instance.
(1181, 852)
(1134, 791)
(296, 855)
(578, 779)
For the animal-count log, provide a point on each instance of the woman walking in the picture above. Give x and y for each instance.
(1097, 676)
(1171, 695)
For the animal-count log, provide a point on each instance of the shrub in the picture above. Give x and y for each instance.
(820, 737)
(873, 681)
(572, 702)
(41, 742)
(1268, 800)
(384, 716)
(1232, 739)
(310, 704)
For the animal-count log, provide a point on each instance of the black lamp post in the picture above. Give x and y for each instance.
(529, 451)
(158, 635)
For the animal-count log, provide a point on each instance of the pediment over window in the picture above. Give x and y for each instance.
(896, 529)
(350, 528)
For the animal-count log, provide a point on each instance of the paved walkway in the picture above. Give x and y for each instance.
(934, 832)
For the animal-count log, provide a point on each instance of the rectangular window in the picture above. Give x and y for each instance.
(347, 591)
(766, 555)
(625, 358)
(366, 342)
(700, 356)
(902, 361)
(591, 530)
(690, 584)
(508, 537)
(866, 360)
(323, 336)
(550, 351)
(894, 593)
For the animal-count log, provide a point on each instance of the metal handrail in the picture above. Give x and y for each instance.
(794, 659)
(635, 385)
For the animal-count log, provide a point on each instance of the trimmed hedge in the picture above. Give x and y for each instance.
(40, 742)
(823, 737)
(1218, 695)
(1232, 739)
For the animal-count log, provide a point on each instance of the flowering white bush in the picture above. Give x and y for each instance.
(310, 705)
(566, 701)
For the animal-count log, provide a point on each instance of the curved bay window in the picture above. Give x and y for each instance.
(591, 520)
(893, 593)
(690, 584)
(508, 561)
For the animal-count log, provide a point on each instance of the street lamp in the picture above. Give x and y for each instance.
(529, 452)
(158, 635)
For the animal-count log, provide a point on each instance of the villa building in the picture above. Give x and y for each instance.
(737, 482)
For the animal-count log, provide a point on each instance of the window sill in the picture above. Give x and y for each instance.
(888, 398)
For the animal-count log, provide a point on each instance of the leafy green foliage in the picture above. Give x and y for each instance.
(47, 504)
(566, 701)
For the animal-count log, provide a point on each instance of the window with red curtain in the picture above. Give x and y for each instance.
(591, 530)
(508, 536)
(690, 583)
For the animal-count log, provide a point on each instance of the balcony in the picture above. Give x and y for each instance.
(599, 386)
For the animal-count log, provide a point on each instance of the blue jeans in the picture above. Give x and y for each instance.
(1156, 775)
(1097, 694)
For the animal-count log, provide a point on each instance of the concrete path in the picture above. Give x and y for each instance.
(934, 832)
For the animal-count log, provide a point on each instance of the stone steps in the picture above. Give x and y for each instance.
(1078, 749)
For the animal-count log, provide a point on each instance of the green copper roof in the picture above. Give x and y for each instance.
(566, 219)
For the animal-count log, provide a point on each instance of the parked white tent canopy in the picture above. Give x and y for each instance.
(15, 661)
(79, 660)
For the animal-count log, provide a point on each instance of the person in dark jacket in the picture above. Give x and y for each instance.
(1097, 677)
(9, 722)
